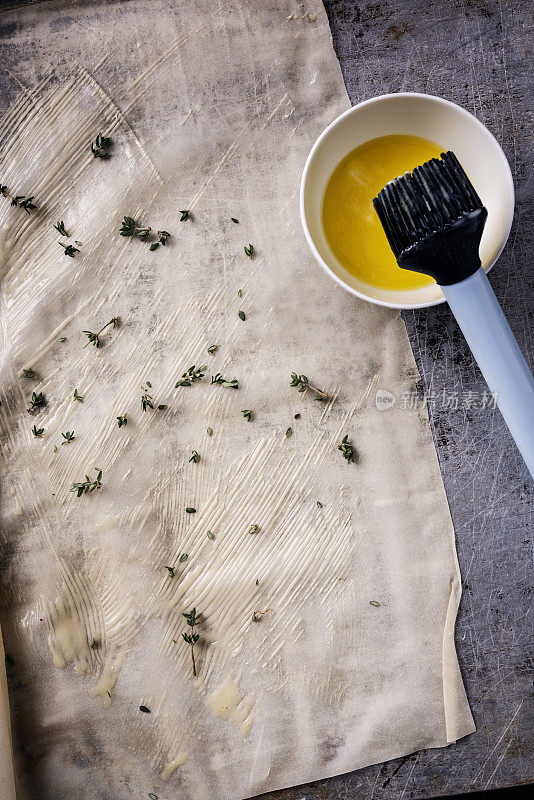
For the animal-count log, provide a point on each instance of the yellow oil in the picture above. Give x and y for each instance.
(350, 223)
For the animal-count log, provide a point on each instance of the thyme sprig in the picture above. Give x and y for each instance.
(37, 400)
(18, 200)
(192, 637)
(94, 338)
(218, 378)
(77, 396)
(186, 214)
(303, 385)
(29, 373)
(37, 431)
(61, 229)
(191, 375)
(100, 146)
(122, 420)
(147, 401)
(130, 227)
(346, 449)
(68, 436)
(86, 486)
(69, 249)
(249, 251)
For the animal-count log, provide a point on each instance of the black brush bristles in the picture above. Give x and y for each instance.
(433, 219)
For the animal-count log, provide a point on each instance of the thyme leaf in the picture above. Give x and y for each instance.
(101, 145)
(195, 457)
(241, 315)
(257, 615)
(37, 400)
(122, 420)
(235, 220)
(254, 528)
(249, 251)
(61, 229)
(77, 396)
(186, 214)
(69, 249)
(213, 349)
(346, 449)
(289, 433)
(162, 239)
(247, 413)
(171, 571)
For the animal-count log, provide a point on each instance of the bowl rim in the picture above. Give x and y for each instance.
(378, 99)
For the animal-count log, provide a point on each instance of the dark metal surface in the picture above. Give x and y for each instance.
(475, 53)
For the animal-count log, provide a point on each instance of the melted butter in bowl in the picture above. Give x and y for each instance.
(350, 223)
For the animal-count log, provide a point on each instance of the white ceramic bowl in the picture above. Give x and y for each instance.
(446, 124)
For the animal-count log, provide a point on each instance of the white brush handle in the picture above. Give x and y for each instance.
(497, 353)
